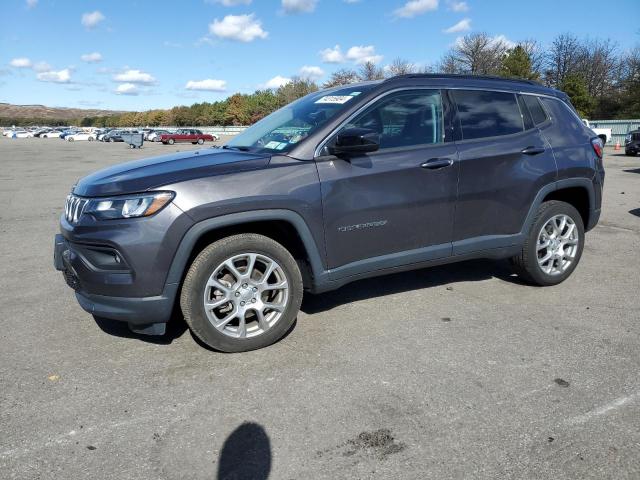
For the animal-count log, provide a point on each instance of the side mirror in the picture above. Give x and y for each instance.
(355, 140)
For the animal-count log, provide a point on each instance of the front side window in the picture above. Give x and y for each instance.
(404, 119)
(487, 114)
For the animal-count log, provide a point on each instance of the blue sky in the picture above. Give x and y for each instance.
(136, 55)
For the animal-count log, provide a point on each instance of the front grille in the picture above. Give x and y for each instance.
(74, 207)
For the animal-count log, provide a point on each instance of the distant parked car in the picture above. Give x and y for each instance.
(66, 133)
(603, 133)
(155, 135)
(81, 136)
(632, 143)
(20, 134)
(186, 135)
(112, 136)
(52, 134)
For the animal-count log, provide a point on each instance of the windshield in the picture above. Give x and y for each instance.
(284, 128)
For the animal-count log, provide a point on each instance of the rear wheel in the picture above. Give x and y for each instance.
(242, 293)
(200, 141)
(554, 246)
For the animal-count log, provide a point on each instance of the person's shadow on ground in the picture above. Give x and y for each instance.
(246, 454)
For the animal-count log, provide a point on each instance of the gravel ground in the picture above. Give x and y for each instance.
(450, 372)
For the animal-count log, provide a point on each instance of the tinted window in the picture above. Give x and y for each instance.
(487, 114)
(526, 116)
(405, 119)
(536, 110)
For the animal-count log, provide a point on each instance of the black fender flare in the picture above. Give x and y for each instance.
(582, 182)
(185, 248)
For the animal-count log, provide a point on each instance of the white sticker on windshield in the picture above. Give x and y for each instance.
(272, 145)
(335, 99)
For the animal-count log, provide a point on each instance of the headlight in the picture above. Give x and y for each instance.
(128, 206)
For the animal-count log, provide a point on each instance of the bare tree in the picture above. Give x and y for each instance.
(400, 66)
(536, 53)
(341, 77)
(600, 66)
(370, 71)
(476, 54)
(564, 57)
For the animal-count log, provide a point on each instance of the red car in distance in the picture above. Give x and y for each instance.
(187, 135)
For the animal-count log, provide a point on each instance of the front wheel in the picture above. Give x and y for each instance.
(200, 141)
(554, 245)
(171, 141)
(242, 293)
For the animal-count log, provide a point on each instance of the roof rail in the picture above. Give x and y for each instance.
(465, 77)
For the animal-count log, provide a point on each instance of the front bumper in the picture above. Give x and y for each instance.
(141, 313)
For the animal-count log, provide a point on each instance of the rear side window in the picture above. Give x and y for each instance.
(537, 112)
(487, 114)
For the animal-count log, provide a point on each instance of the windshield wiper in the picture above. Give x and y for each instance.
(232, 147)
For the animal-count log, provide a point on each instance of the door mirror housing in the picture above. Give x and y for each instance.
(355, 140)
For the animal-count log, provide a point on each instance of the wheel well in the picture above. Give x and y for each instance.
(603, 138)
(576, 196)
(279, 230)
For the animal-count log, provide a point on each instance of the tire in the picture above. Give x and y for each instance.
(111, 140)
(527, 263)
(90, 139)
(69, 139)
(200, 141)
(211, 261)
(171, 141)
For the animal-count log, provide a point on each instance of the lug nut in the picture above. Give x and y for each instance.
(242, 304)
(253, 300)
(244, 285)
(237, 294)
(254, 289)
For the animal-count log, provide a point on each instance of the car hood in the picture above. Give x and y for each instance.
(149, 173)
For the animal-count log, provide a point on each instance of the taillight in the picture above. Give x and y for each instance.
(598, 147)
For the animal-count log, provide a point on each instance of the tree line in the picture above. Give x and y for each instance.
(602, 80)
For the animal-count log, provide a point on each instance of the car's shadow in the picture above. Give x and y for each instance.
(175, 329)
(635, 211)
(469, 271)
(634, 170)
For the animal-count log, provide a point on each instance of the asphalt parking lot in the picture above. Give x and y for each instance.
(451, 372)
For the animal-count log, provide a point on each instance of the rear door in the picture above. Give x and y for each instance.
(396, 205)
(504, 162)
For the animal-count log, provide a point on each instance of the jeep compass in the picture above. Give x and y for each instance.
(343, 184)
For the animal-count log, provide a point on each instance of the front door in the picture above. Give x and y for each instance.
(396, 205)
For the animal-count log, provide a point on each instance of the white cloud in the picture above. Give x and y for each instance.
(32, 3)
(209, 85)
(90, 20)
(21, 62)
(61, 76)
(462, 26)
(361, 54)
(310, 72)
(135, 76)
(127, 89)
(332, 55)
(416, 7)
(42, 67)
(243, 28)
(94, 57)
(299, 6)
(458, 6)
(505, 40)
(276, 82)
(230, 3)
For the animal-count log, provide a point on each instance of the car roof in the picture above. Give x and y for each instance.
(444, 80)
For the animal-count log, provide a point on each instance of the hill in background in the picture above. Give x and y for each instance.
(8, 110)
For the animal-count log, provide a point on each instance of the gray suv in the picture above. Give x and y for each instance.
(343, 184)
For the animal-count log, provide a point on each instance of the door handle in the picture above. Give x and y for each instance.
(532, 150)
(436, 163)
